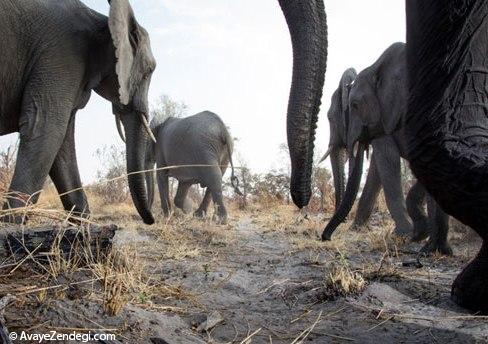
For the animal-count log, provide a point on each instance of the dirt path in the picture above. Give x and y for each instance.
(265, 278)
(260, 283)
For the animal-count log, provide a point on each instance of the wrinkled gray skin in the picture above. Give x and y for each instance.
(201, 139)
(307, 23)
(53, 54)
(446, 127)
(338, 116)
(377, 105)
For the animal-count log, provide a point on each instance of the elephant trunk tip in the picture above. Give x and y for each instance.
(300, 199)
(300, 190)
(148, 220)
(327, 235)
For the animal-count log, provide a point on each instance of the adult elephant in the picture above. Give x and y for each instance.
(54, 53)
(447, 122)
(377, 101)
(339, 122)
(203, 144)
(338, 116)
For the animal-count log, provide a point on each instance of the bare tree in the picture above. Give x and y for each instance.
(112, 160)
(245, 180)
(7, 166)
(166, 107)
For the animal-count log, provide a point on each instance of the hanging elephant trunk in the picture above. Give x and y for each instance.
(337, 161)
(350, 194)
(308, 29)
(135, 151)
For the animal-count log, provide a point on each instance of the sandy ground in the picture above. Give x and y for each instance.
(265, 278)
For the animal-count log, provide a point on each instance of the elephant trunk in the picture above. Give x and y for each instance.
(349, 196)
(308, 29)
(149, 165)
(337, 162)
(135, 150)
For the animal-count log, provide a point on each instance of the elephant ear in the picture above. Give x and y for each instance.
(347, 80)
(393, 101)
(122, 25)
(391, 87)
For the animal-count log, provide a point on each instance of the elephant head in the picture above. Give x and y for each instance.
(127, 86)
(377, 102)
(308, 28)
(338, 116)
(378, 98)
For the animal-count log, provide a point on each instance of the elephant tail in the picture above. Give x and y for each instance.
(233, 178)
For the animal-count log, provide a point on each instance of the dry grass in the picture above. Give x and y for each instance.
(122, 277)
(127, 276)
(383, 239)
(341, 279)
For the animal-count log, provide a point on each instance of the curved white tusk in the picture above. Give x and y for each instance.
(147, 127)
(326, 154)
(119, 127)
(355, 150)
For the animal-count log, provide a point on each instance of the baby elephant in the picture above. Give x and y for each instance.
(197, 149)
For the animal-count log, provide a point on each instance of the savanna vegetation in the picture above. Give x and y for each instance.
(264, 277)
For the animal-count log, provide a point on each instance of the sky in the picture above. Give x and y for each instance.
(234, 57)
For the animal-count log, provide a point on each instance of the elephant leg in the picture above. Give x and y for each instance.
(415, 207)
(369, 196)
(439, 228)
(387, 158)
(469, 288)
(202, 209)
(66, 177)
(181, 200)
(42, 133)
(218, 200)
(213, 180)
(163, 186)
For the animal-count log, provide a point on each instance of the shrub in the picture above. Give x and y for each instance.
(112, 159)
(7, 166)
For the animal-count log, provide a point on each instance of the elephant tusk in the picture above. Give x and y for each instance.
(119, 127)
(147, 127)
(326, 154)
(355, 150)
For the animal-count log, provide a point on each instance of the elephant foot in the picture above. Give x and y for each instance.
(435, 246)
(405, 231)
(78, 219)
(469, 289)
(220, 219)
(14, 219)
(13, 209)
(355, 227)
(200, 213)
(420, 231)
(78, 213)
